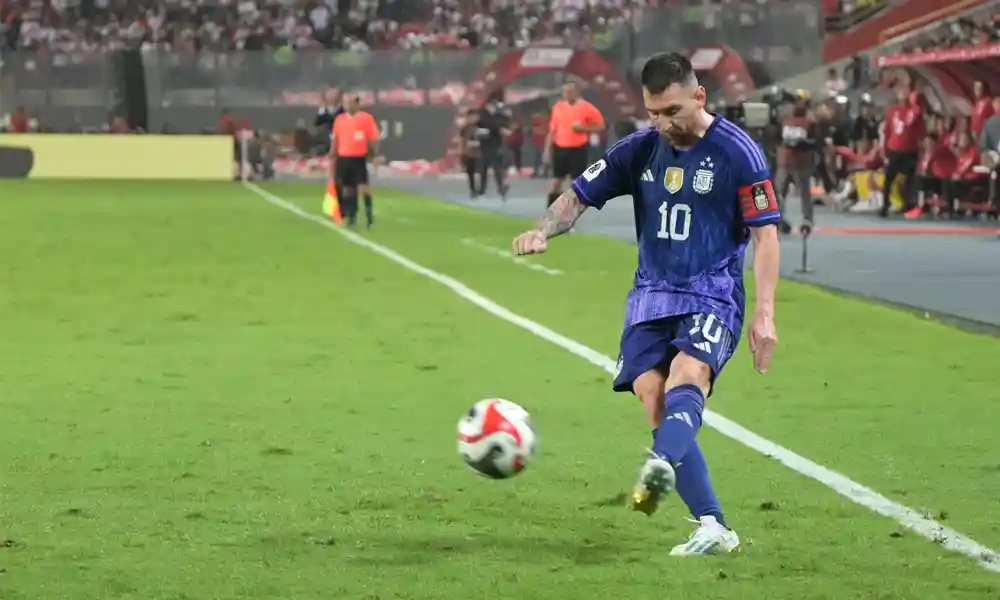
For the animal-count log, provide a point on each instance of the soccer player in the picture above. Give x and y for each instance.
(353, 141)
(573, 120)
(701, 190)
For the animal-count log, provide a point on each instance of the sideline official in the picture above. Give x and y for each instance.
(353, 143)
(570, 127)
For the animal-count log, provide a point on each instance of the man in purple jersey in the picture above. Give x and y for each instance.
(701, 190)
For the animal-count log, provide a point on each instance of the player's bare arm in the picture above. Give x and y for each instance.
(558, 219)
(766, 262)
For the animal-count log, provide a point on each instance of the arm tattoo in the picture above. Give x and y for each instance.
(561, 215)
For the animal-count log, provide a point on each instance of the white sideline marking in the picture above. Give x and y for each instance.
(515, 259)
(852, 490)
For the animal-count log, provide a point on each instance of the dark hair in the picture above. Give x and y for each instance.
(664, 70)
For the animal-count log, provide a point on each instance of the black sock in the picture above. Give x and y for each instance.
(369, 210)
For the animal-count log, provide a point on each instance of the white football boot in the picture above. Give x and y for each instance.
(656, 480)
(710, 538)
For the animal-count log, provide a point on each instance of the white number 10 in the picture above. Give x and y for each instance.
(675, 222)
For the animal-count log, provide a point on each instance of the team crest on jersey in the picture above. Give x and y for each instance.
(704, 177)
(674, 179)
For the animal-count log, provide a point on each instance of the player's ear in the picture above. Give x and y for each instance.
(701, 96)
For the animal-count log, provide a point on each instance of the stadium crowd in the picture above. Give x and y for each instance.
(73, 30)
(956, 33)
(943, 164)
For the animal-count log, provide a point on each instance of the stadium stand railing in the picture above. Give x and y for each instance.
(841, 20)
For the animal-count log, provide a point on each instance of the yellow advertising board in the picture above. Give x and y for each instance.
(116, 156)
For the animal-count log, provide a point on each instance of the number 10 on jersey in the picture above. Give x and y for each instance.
(675, 222)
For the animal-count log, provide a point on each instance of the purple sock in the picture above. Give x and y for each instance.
(695, 487)
(684, 405)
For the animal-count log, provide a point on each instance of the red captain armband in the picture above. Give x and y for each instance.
(757, 199)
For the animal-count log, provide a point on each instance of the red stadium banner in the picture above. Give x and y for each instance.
(943, 55)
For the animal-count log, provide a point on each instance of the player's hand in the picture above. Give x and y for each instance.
(530, 242)
(763, 338)
(546, 157)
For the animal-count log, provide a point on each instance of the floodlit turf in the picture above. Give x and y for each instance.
(205, 397)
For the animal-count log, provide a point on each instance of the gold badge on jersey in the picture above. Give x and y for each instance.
(674, 179)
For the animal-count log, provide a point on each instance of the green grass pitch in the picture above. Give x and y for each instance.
(205, 397)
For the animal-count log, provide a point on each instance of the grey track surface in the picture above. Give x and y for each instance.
(954, 277)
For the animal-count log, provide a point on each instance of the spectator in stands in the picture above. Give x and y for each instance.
(119, 125)
(227, 125)
(983, 107)
(989, 149)
(19, 120)
(866, 125)
(62, 28)
(833, 131)
(835, 84)
(937, 165)
(865, 157)
(966, 179)
(857, 73)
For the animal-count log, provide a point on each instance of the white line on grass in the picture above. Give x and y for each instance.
(852, 490)
(515, 259)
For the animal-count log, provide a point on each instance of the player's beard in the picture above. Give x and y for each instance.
(680, 139)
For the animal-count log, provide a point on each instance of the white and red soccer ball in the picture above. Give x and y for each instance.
(497, 438)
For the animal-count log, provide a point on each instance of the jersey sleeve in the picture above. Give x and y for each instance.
(372, 133)
(608, 178)
(755, 190)
(595, 117)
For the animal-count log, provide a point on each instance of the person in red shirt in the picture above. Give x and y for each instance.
(965, 178)
(928, 182)
(354, 139)
(865, 156)
(982, 109)
(119, 125)
(227, 124)
(19, 120)
(904, 128)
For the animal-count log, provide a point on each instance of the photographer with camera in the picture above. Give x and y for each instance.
(796, 160)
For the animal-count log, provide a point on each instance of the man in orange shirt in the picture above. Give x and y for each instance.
(353, 141)
(573, 120)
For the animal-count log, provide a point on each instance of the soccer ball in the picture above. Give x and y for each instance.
(496, 438)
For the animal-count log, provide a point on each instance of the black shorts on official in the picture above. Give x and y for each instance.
(352, 171)
(569, 163)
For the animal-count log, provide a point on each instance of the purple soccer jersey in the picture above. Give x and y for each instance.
(693, 213)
